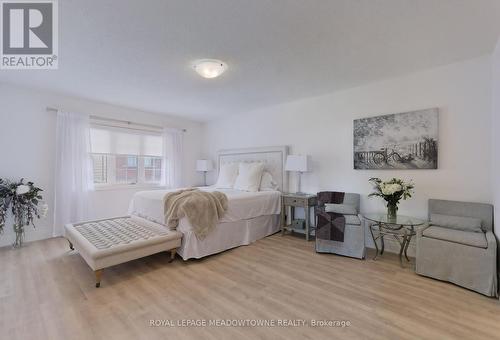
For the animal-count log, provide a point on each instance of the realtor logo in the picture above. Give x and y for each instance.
(29, 38)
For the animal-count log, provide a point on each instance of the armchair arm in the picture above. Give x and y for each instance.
(492, 241)
(421, 229)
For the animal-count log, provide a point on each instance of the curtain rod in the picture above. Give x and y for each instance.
(117, 120)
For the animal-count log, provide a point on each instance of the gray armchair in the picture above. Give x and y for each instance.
(353, 244)
(459, 246)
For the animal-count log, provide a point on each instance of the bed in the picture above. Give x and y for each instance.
(250, 215)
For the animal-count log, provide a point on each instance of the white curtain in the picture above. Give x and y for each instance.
(74, 176)
(172, 176)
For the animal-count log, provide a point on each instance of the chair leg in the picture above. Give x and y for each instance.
(172, 254)
(98, 274)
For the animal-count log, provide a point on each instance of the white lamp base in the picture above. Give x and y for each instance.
(299, 192)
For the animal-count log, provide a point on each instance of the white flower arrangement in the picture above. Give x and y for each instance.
(392, 191)
(23, 200)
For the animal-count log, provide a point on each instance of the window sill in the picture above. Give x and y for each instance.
(128, 187)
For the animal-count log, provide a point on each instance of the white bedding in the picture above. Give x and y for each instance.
(242, 205)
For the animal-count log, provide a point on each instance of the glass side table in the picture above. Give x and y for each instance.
(402, 228)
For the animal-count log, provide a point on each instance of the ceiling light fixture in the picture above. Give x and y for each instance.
(209, 68)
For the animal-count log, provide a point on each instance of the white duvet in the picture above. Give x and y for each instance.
(242, 205)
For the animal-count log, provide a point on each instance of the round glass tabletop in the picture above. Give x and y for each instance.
(399, 219)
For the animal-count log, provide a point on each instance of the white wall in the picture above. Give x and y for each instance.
(496, 128)
(27, 148)
(319, 126)
(496, 136)
(322, 127)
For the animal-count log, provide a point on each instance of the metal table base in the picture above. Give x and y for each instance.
(402, 233)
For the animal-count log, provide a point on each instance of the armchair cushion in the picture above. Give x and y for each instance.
(467, 238)
(472, 224)
(344, 209)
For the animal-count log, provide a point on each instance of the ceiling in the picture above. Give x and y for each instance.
(138, 53)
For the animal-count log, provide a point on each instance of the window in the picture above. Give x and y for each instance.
(152, 169)
(126, 169)
(100, 165)
(122, 156)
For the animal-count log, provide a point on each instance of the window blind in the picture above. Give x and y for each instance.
(122, 141)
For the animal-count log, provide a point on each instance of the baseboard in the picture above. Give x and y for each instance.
(8, 238)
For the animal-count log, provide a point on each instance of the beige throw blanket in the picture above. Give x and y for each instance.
(203, 209)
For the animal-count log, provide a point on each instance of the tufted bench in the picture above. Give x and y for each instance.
(105, 243)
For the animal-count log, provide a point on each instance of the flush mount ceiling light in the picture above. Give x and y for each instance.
(209, 68)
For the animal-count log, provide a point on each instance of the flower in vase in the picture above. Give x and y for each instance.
(392, 191)
(23, 200)
(22, 189)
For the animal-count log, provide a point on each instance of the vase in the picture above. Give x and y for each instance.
(392, 211)
(19, 231)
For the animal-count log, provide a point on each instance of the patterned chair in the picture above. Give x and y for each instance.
(346, 207)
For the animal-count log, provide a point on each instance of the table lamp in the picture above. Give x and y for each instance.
(204, 165)
(300, 164)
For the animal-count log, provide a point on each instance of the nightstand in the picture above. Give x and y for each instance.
(306, 201)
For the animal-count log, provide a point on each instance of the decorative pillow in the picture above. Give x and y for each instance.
(249, 176)
(267, 183)
(344, 209)
(227, 176)
(457, 222)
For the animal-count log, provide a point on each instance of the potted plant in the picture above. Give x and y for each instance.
(23, 200)
(392, 191)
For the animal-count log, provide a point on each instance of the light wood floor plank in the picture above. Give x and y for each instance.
(47, 292)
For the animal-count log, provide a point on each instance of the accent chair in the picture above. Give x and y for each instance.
(354, 232)
(459, 246)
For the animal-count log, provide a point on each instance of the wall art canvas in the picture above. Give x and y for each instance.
(407, 140)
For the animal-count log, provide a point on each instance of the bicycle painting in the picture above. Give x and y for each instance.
(406, 140)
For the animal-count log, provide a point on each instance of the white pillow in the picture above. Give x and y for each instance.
(249, 176)
(267, 183)
(227, 175)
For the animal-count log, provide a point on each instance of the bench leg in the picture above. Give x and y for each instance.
(71, 245)
(172, 254)
(98, 274)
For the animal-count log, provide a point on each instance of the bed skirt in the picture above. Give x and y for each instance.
(226, 235)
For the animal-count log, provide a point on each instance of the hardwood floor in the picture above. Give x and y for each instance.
(47, 292)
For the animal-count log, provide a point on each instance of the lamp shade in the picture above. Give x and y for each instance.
(301, 163)
(204, 165)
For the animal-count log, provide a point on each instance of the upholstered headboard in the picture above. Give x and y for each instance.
(274, 158)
